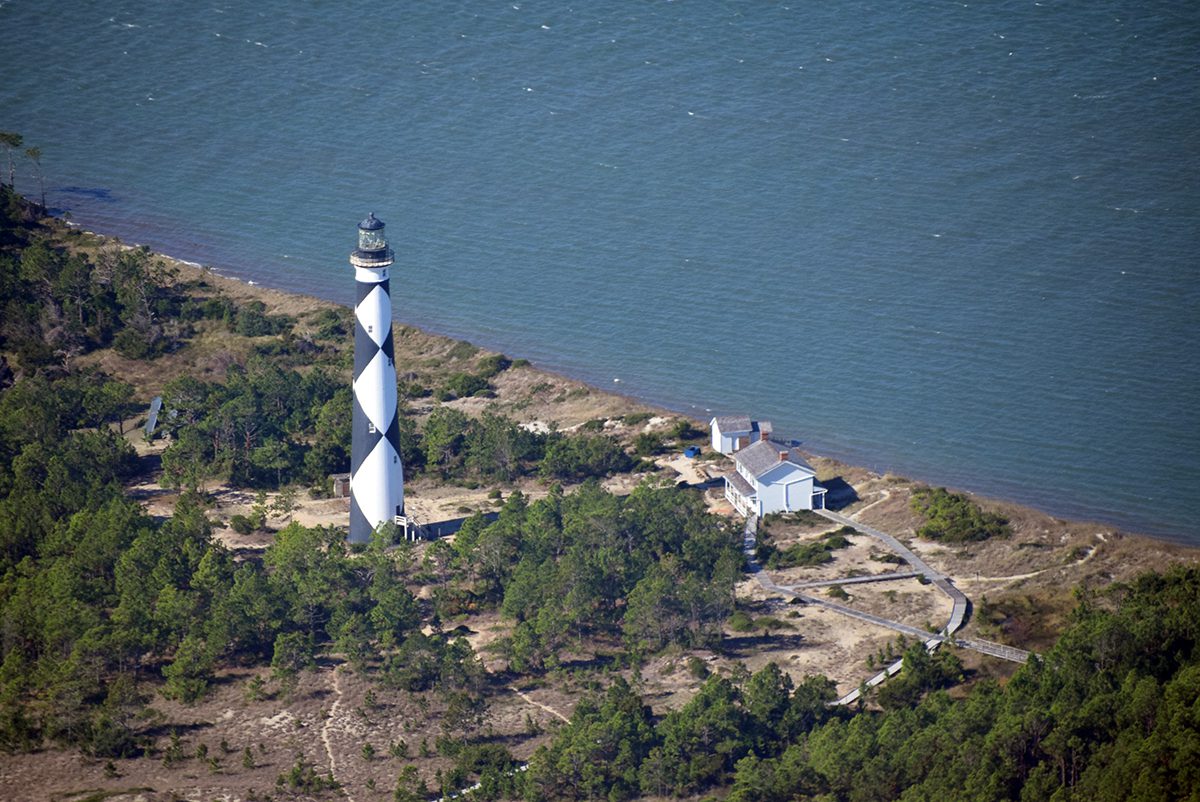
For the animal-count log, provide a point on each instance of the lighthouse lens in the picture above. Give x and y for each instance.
(371, 240)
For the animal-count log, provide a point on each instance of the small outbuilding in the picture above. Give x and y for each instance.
(731, 433)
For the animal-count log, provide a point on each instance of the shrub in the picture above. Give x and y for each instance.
(741, 621)
(954, 518)
(241, 524)
(682, 429)
(462, 385)
(252, 320)
(584, 456)
(462, 350)
(328, 323)
(132, 344)
(493, 365)
(647, 444)
(835, 540)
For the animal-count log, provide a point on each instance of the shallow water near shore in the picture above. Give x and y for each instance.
(955, 242)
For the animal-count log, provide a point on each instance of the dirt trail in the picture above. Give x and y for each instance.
(333, 712)
(1015, 577)
(884, 495)
(536, 703)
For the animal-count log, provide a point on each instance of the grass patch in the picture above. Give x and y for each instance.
(462, 350)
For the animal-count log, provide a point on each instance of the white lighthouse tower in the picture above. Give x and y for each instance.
(376, 474)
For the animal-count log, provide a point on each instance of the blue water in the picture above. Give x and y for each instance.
(956, 241)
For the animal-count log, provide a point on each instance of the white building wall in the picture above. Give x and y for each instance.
(772, 498)
(799, 495)
(783, 491)
(727, 442)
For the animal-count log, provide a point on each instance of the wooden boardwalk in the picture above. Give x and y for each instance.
(958, 613)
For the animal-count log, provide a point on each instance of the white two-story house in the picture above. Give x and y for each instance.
(770, 478)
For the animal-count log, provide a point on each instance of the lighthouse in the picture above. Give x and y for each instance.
(376, 474)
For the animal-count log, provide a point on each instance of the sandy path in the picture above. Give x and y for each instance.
(333, 712)
(884, 495)
(1015, 577)
(536, 703)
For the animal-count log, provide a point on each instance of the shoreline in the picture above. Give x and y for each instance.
(851, 457)
(1024, 586)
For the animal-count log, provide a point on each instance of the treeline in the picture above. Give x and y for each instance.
(281, 413)
(110, 606)
(645, 570)
(614, 748)
(268, 425)
(1110, 713)
(60, 305)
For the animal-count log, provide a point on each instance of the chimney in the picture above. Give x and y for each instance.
(783, 455)
(764, 435)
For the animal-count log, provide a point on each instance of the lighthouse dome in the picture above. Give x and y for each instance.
(372, 250)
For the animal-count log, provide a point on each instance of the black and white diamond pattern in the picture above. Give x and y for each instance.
(376, 473)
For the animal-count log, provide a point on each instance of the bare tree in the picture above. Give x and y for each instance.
(10, 140)
(35, 156)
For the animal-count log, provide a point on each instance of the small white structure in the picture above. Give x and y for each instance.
(770, 478)
(733, 432)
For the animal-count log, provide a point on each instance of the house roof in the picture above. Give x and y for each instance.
(740, 484)
(732, 423)
(760, 457)
(763, 426)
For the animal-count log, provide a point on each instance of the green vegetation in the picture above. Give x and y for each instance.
(57, 306)
(652, 568)
(1108, 714)
(267, 426)
(491, 366)
(583, 456)
(817, 552)
(463, 385)
(954, 518)
(104, 606)
(614, 748)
